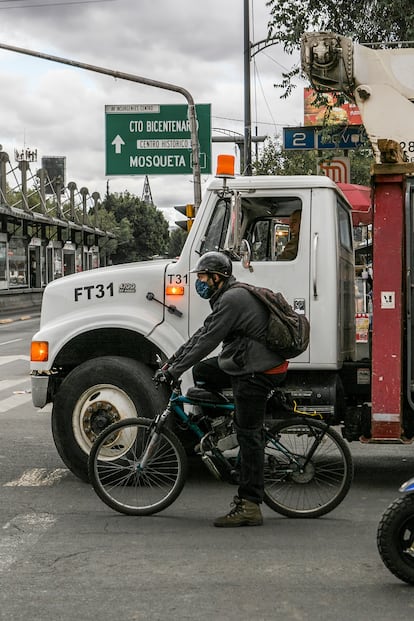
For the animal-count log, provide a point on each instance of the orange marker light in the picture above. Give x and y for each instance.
(225, 166)
(39, 351)
(174, 290)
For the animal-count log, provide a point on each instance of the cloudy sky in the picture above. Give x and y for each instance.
(197, 45)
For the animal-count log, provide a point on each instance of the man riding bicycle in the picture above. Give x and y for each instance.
(237, 320)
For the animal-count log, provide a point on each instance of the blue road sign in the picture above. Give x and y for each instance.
(299, 138)
(335, 137)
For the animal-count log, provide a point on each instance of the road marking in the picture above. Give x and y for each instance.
(8, 359)
(21, 533)
(6, 384)
(38, 477)
(14, 401)
(12, 341)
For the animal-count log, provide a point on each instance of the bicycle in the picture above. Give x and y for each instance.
(138, 466)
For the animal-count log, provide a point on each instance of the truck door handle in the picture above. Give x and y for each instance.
(314, 265)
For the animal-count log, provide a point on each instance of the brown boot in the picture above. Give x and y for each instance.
(243, 513)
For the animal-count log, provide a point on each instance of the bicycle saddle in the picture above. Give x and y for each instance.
(195, 393)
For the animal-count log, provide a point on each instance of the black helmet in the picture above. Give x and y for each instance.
(214, 263)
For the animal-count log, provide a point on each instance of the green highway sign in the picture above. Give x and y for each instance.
(153, 139)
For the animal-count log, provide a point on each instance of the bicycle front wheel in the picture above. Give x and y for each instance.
(308, 468)
(116, 473)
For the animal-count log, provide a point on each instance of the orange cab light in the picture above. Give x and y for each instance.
(225, 166)
(174, 290)
(39, 351)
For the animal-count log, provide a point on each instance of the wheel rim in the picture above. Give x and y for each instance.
(123, 484)
(97, 408)
(406, 541)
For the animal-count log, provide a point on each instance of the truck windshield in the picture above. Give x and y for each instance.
(217, 229)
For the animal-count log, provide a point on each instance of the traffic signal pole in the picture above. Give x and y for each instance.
(140, 80)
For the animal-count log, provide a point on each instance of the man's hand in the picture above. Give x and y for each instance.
(163, 376)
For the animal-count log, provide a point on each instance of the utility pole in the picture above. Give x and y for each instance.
(250, 50)
(247, 98)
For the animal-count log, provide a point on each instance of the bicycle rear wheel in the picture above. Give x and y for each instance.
(308, 468)
(116, 474)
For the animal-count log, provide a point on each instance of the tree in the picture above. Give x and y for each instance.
(177, 241)
(365, 21)
(142, 227)
(274, 160)
(107, 222)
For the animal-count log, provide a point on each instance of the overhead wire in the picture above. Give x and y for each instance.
(257, 79)
(46, 4)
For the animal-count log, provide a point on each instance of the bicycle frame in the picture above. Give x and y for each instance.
(176, 402)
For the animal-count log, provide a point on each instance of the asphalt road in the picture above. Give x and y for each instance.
(65, 556)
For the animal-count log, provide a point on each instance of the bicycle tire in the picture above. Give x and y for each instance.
(114, 468)
(395, 537)
(316, 490)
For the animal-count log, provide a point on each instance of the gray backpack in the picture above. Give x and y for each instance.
(287, 331)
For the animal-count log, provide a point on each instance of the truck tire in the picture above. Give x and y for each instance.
(95, 394)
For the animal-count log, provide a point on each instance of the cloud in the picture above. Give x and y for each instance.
(198, 45)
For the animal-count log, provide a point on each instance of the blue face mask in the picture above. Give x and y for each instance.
(203, 289)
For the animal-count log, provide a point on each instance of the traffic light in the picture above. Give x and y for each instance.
(189, 211)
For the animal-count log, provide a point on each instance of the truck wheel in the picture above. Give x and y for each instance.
(94, 395)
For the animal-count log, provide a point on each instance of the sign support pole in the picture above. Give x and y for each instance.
(140, 80)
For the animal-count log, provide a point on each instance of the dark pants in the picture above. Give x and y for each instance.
(250, 394)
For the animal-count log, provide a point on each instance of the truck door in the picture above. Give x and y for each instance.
(278, 231)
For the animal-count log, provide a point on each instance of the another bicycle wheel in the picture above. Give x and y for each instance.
(308, 468)
(395, 538)
(117, 476)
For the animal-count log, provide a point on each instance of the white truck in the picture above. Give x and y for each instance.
(101, 330)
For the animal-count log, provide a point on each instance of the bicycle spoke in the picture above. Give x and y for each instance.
(308, 469)
(121, 482)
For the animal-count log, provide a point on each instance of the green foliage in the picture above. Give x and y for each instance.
(366, 21)
(274, 160)
(142, 229)
(177, 241)
(107, 222)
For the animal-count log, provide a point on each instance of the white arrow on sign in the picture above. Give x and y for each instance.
(118, 142)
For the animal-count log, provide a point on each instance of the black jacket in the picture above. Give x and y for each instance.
(239, 321)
